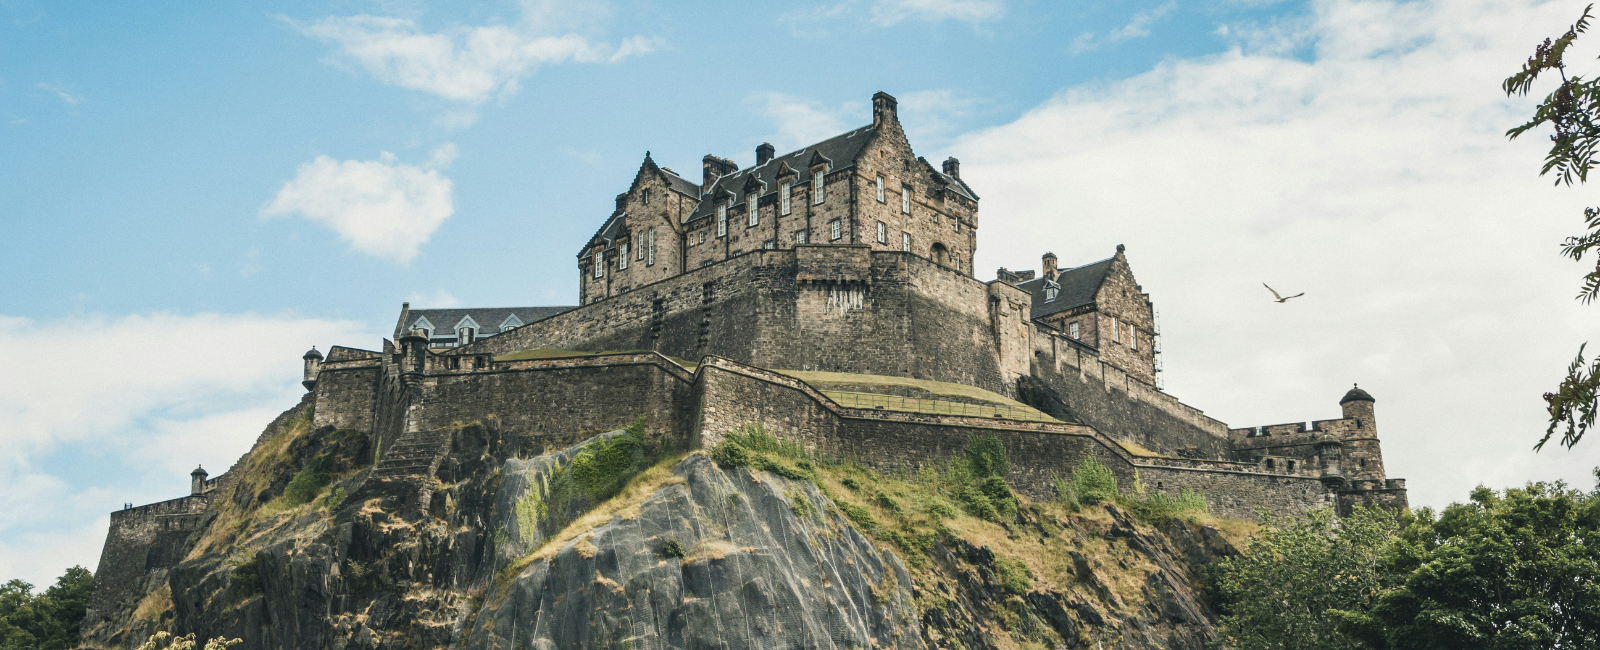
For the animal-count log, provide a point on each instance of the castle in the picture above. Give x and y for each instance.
(827, 294)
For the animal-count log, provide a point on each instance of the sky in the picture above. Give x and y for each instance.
(195, 194)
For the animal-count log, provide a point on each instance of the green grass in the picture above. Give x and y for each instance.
(840, 380)
(851, 399)
(555, 353)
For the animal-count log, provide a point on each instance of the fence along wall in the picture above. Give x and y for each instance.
(733, 396)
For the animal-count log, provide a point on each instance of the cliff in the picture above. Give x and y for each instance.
(621, 542)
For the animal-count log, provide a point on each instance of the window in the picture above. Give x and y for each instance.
(640, 249)
(646, 196)
(905, 200)
(752, 204)
(599, 264)
(880, 188)
(1072, 331)
(955, 261)
(769, 244)
(1050, 292)
(883, 233)
(783, 198)
(510, 323)
(466, 336)
(651, 246)
(905, 242)
(816, 186)
(1133, 338)
(834, 231)
(722, 219)
(800, 237)
(1116, 335)
(622, 256)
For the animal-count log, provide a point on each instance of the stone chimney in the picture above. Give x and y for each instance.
(952, 167)
(197, 481)
(715, 168)
(764, 152)
(883, 111)
(313, 367)
(1049, 266)
(622, 201)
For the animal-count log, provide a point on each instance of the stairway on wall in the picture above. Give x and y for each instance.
(416, 453)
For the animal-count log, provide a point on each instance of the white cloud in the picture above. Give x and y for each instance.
(800, 121)
(440, 299)
(120, 409)
(381, 207)
(1377, 179)
(466, 64)
(61, 92)
(890, 12)
(1138, 27)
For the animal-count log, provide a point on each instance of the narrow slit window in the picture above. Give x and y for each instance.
(752, 205)
(622, 257)
(905, 200)
(651, 246)
(722, 219)
(1116, 334)
(880, 188)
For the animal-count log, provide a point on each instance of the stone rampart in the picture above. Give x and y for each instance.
(141, 541)
(347, 394)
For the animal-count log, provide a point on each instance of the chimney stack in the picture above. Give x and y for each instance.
(1049, 266)
(622, 201)
(952, 167)
(764, 153)
(715, 168)
(883, 109)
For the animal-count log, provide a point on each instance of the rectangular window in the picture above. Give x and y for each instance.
(800, 237)
(905, 200)
(722, 219)
(1072, 330)
(752, 204)
(1116, 335)
(816, 186)
(905, 242)
(955, 261)
(622, 256)
(1133, 339)
(769, 244)
(880, 188)
(883, 233)
(599, 264)
(834, 231)
(783, 198)
(652, 247)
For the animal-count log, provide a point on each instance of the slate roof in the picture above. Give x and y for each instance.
(1078, 288)
(680, 183)
(488, 318)
(840, 151)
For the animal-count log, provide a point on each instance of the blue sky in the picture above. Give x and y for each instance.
(195, 194)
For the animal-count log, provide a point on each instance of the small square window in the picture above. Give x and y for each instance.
(834, 230)
(769, 244)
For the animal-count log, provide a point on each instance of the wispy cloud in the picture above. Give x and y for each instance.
(382, 207)
(440, 299)
(1137, 27)
(60, 92)
(799, 121)
(812, 20)
(464, 64)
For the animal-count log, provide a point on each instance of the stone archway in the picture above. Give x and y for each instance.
(941, 255)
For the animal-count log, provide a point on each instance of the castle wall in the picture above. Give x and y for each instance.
(141, 541)
(347, 395)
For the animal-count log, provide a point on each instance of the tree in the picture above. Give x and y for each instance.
(1506, 571)
(47, 621)
(1573, 110)
(1287, 589)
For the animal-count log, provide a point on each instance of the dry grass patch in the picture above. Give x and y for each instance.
(624, 505)
(840, 380)
(155, 604)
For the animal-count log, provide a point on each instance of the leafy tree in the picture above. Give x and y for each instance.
(1286, 590)
(1514, 570)
(47, 621)
(1573, 110)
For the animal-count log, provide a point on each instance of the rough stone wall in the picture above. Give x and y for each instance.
(141, 540)
(347, 395)
(1238, 494)
(650, 204)
(1120, 406)
(935, 218)
(1122, 298)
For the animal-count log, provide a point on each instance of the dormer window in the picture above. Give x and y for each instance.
(905, 200)
(880, 188)
(752, 204)
(599, 264)
(425, 325)
(722, 219)
(622, 256)
(783, 197)
(816, 186)
(510, 323)
(466, 331)
(1051, 290)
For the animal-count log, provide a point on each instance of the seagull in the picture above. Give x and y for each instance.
(1279, 297)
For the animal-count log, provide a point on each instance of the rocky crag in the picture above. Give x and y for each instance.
(619, 542)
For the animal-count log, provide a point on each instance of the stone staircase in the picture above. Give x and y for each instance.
(414, 454)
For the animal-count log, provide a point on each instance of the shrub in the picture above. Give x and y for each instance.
(976, 503)
(941, 510)
(1160, 506)
(888, 503)
(1013, 575)
(730, 454)
(602, 468)
(1064, 493)
(671, 548)
(308, 482)
(1093, 482)
(801, 507)
(851, 482)
(986, 456)
(859, 515)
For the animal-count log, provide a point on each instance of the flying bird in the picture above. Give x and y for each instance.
(1279, 297)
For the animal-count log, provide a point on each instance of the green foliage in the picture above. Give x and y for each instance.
(672, 548)
(729, 455)
(166, 641)
(46, 621)
(986, 456)
(247, 575)
(851, 482)
(799, 505)
(1161, 506)
(1573, 110)
(888, 503)
(976, 503)
(1282, 592)
(859, 515)
(1065, 495)
(1014, 575)
(309, 481)
(596, 473)
(1519, 569)
(1093, 482)
(941, 510)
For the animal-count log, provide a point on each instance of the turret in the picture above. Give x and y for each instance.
(197, 479)
(1049, 266)
(1357, 405)
(414, 350)
(313, 367)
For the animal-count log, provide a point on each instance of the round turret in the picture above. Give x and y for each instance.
(1356, 395)
(313, 367)
(414, 350)
(197, 480)
(1357, 405)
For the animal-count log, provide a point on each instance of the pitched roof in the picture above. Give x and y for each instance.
(840, 151)
(488, 318)
(1078, 288)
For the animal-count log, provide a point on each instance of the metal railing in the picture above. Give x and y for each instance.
(879, 401)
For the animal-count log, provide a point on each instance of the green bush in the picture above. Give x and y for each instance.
(1013, 575)
(851, 482)
(1065, 495)
(859, 515)
(986, 457)
(976, 503)
(671, 548)
(888, 503)
(729, 455)
(1093, 482)
(941, 510)
(1160, 506)
(603, 467)
(309, 481)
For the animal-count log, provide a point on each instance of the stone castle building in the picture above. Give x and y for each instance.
(829, 295)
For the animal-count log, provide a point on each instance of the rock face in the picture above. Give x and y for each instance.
(716, 559)
(481, 551)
